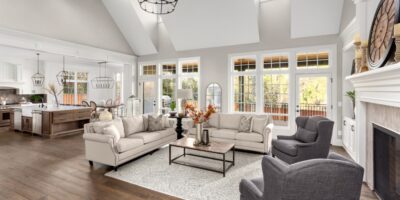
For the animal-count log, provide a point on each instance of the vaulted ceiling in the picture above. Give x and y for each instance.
(197, 24)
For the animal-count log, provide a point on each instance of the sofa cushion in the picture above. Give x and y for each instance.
(126, 144)
(305, 135)
(112, 131)
(133, 125)
(99, 126)
(155, 123)
(229, 121)
(245, 123)
(286, 146)
(224, 133)
(251, 137)
(147, 137)
(258, 124)
(213, 121)
(167, 132)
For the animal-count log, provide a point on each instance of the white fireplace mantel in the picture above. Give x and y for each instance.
(382, 87)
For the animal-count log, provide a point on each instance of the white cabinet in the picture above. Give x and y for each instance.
(349, 136)
(18, 119)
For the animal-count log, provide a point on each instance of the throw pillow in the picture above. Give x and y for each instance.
(155, 123)
(112, 131)
(98, 127)
(133, 124)
(146, 122)
(245, 124)
(258, 124)
(305, 135)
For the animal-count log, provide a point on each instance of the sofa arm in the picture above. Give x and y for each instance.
(286, 137)
(99, 138)
(267, 134)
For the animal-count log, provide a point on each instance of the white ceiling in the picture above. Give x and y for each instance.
(197, 24)
(315, 17)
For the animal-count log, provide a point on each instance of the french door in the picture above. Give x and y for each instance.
(148, 92)
(313, 95)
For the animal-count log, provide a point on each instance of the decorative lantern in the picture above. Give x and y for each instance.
(38, 78)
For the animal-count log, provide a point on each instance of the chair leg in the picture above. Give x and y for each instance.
(90, 163)
(116, 168)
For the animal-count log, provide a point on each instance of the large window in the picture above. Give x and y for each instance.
(276, 97)
(118, 87)
(244, 84)
(189, 79)
(168, 92)
(76, 88)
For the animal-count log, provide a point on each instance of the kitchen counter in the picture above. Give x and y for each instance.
(50, 121)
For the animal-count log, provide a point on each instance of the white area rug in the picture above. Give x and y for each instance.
(154, 172)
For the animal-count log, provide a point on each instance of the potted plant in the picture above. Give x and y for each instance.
(172, 106)
(352, 96)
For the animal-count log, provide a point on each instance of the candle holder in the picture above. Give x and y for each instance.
(358, 65)
(357, 51)
(364, 60)
(397, 53)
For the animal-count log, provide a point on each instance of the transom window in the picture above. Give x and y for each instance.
(149, 69)
(191, 67)
(276, 62)
(168, 69)
(244, 64)
(312, 60)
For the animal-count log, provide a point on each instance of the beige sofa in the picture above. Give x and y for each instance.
(134, 141)
(224, 128)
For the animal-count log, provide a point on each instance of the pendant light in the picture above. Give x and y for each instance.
(38, 78)
(160, 7)
(102, 82)
(62, 76)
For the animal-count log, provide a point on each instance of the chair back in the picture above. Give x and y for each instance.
(109, 102)
(93, 105)
(117, 102)
(324, 179)
(85, 103)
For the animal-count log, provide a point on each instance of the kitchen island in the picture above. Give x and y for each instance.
(50, 121)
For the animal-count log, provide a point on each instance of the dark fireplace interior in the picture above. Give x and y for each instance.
(386, 163)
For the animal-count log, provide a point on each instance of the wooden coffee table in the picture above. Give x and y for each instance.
(221, 148)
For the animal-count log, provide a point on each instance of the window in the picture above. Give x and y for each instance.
(313, 60)
(276, 62)
(276, 98)
(76, 88)
(149, 70)
(168, 92)
(118, 87)
(192, 83)
(168, 69)
(244, 64)
(191, 67)
(245, 93)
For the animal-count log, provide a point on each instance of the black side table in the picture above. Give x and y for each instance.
(179, 129)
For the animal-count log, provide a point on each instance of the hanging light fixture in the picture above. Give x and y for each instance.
(102, 82)
(160, 7)
(62, 76)
(38, 78)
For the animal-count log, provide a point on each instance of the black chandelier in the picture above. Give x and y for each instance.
(158, 6)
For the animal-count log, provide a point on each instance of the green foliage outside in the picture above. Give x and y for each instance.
(313, 90)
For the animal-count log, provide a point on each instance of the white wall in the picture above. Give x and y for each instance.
(79, 21)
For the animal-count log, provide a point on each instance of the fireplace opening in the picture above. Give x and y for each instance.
(386, 163)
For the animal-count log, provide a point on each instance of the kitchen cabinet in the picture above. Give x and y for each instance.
(349, 136)
(27, 124)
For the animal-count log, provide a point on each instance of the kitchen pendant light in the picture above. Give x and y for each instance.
(102, 82)
(62, 76)
(38, 78)
(160, 7)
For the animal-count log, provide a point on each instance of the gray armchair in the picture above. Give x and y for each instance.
(312, 140)
(323, 179)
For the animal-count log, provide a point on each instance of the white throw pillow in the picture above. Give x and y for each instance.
(133, 124)
(258, 124)
(113, 131)
(214, 120)
(99, 126)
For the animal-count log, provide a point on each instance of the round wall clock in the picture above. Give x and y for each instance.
(381, 42)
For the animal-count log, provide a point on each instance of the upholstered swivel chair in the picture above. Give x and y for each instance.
(312, 140)
(333, 178)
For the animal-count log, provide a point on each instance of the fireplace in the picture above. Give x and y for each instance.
(386, 163)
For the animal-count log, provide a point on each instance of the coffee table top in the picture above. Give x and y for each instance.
(214, 147)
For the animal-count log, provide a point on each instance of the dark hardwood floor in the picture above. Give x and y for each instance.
(32, 167)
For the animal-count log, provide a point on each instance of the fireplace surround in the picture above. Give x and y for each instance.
(377, 102)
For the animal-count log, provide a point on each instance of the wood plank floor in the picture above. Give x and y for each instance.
(32, 167)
